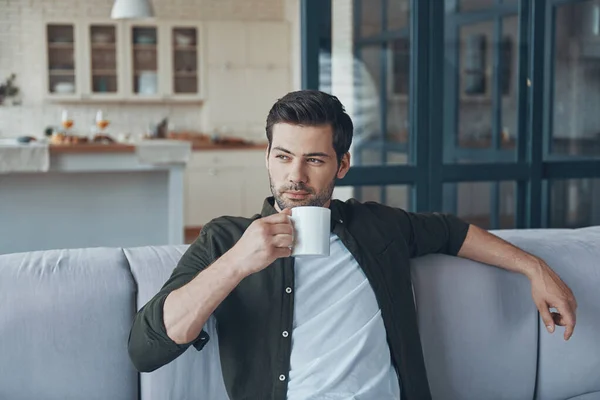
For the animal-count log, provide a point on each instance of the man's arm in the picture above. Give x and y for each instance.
(548, 290)
(173, 319)
(427, 233)
(150, 346)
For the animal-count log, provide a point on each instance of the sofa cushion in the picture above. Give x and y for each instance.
(64, 323)
(569, 369)
(587, 396)
(478, 328)
(193, 375)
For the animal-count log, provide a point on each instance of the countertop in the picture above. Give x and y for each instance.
(83, 148)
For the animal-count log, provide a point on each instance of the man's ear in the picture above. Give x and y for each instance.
(267, 152)
(344, 166)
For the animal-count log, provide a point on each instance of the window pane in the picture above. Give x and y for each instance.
(475, 79)
(397, 133)
(576, 122)
(391, 195)
(397, 14)
(479, 57)
(574, 203)
(372, 81)
(508, 84)
(370, 17)
(470, 5)
(474, 202)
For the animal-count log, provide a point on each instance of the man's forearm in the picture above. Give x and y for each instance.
(482, 246)
(187, 309)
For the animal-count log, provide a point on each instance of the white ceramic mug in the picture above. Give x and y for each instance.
(312, 227)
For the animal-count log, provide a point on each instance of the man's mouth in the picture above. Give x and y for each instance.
(296, 194)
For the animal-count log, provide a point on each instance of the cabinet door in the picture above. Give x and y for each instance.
(63, 66)
(212, 192)
(268, 44)
(184, 67)
(103, 60)
(229, 97)
(256, 189)
(261, 96)
(225, 45)
(146, 61)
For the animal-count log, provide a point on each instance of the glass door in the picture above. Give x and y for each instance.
(185, 61)
(103, 52)
(62, 67)
(144, 53)
(573, 132)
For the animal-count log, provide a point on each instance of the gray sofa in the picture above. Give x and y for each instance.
(65, 318)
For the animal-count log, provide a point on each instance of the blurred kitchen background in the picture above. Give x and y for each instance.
(131, 131)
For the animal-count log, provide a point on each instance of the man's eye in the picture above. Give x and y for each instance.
(315, 160)
(282, 157)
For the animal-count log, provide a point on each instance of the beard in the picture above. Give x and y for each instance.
(314, 198)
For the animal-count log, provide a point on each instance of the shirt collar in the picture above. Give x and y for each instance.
(334, 206)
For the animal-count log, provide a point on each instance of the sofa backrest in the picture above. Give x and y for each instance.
(64, 321)
(480, 330)
(193, 375)
(570, 369)
(65, 317)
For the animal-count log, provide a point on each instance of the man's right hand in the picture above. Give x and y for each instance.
(265, 240)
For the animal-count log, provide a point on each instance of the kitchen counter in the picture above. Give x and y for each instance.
(216, 146)
(96, 195)
(86, 148)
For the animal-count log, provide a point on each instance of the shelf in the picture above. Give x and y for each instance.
(61, 45)
(138, 72)
(61, 72)
(185, 74)
(100, 98)
(185, 48)
(97, 72)
(103, 46)
(145, 46)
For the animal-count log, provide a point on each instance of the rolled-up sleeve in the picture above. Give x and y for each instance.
(427, 233)
(149, 345)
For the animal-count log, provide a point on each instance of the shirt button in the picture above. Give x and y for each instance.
(288, 290)
(285, 334)
(282, 378)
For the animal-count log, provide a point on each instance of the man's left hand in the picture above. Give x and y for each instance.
(549, 291)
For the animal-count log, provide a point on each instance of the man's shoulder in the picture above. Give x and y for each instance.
(355, 206)
(228, 225)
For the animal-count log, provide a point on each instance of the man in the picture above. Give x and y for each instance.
(341, 327)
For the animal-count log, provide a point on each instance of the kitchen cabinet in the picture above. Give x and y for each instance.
(62, 61)
(103, 59)
(224, 182)
(249, 68)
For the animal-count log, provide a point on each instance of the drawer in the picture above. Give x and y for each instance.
(226, 158)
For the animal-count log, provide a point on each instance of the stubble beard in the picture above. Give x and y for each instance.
(315, 199)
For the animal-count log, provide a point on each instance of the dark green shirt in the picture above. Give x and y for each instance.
(255, 357)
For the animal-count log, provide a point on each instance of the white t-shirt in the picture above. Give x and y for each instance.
(339, 346)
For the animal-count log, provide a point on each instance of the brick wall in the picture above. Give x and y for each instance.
(22, 47)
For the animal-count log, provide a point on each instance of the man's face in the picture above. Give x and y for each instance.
(302, 165)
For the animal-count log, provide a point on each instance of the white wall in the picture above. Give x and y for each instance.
(21, 46)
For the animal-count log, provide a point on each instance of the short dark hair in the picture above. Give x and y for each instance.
(313, 108)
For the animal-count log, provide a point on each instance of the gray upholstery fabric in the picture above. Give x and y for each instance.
(569, 369)
(587, 396)
(64, 322)
(65, 317)
(193, 375)
(478, 329)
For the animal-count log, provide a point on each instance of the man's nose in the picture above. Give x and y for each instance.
(297, 173)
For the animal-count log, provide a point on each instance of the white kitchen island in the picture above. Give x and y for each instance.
(95, 196)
